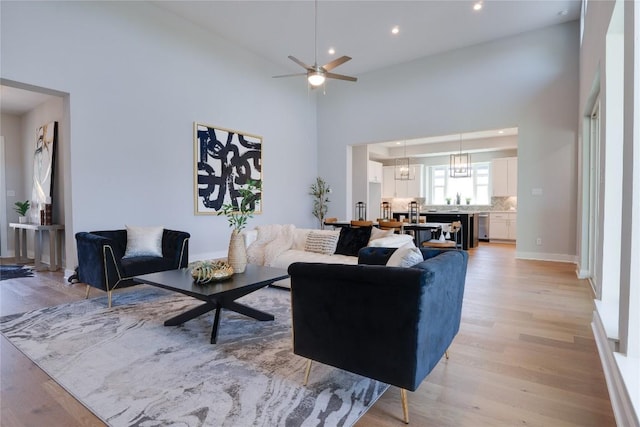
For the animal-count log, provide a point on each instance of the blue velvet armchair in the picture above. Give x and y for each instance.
(392, 324)
(101, 264)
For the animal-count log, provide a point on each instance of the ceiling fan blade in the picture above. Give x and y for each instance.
(289, 75)
(341, 77)
(333, 64)
(300, 63)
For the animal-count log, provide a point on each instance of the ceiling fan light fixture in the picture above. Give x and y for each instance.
(316, 79)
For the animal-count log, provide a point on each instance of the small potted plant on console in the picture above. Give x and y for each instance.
(21, 209)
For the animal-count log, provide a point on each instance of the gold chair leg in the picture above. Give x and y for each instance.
(109, 298)
(405, 405)
(307, 372)
(446, 354)
(86, 295)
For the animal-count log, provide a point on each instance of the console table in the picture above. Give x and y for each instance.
(55, 244)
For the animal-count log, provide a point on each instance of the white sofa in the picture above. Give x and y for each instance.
(281, 245)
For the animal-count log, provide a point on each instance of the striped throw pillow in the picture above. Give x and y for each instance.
(321, 243)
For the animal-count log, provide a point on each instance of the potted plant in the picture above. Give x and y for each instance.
(468, 200)
(448, 199)
(21, 209)
(320, 190)
(237, 215)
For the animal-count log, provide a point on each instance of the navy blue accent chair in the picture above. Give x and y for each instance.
(100, 262)
(392, 324)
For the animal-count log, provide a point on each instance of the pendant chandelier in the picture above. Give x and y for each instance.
(403, 171)
(460, 164)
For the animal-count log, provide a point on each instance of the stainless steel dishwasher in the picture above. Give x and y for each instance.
(483, 226)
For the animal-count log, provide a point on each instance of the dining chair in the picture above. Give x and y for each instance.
(331, 221)
(396, 226)
(356, 223)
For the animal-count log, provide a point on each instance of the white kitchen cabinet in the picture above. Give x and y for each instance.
(374, 171)
(388, 182)
(504, 174)
(403, 189)
(502, 226)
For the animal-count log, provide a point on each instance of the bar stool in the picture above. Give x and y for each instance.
(454, 229)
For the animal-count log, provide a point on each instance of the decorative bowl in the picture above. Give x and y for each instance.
(210, 271)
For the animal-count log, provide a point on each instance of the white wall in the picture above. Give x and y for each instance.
(10, 126)
(621, 367)
(137, 79)
(529, 81)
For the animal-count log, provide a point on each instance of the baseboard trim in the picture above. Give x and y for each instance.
(68, 273)
(540, 256)
(620, 401)
(582, 273)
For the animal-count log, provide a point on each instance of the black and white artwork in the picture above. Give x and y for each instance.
(225, 161)
(43, 164)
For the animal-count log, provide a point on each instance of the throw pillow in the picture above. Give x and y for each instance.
(405, 256)
(352, 240)
(321, 243)
(376, 233)
(144, 241)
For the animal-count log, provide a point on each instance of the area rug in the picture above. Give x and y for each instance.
(14, 272)
(130, 370)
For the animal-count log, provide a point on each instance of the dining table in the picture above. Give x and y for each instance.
(416, 229)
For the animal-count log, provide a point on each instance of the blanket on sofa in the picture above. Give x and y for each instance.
(272, 241)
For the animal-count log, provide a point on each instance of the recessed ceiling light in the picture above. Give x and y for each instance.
(500, 131)
(332, 51)
(395, 30)
(477, 6)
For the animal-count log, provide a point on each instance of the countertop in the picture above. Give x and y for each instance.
(446, 212)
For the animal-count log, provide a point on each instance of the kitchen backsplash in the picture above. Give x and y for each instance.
(497, 204)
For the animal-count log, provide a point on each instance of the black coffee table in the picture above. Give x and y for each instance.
(217, 295)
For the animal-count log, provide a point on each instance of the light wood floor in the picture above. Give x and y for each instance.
(525, 355)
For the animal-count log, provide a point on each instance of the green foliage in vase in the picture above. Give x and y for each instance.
(239, 213)
(22, 207)
(320, 191)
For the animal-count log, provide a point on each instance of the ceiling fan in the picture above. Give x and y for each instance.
(316, 74)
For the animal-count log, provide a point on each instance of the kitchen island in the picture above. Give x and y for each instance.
(468, 219)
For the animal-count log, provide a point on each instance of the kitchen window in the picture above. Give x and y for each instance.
(475, 187)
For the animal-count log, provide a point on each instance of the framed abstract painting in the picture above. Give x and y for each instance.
(44, 157)
(225, 161)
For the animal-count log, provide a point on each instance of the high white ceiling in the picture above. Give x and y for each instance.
(357, 28)
(362, 29)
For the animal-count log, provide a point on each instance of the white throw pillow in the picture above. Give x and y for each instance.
(321, 242)
(405, 256)
(144, 241)
(376, 233)
(393, 241)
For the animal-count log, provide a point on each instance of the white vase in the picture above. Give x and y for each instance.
(22, 219)
(237, 257)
